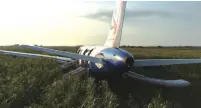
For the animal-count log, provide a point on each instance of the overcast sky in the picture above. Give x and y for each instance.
(61, 22)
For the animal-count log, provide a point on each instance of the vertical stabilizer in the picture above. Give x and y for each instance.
(114, 36)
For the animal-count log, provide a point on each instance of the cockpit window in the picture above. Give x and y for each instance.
(100, 55)
(90, 51)
(78, 51)
(85, 51)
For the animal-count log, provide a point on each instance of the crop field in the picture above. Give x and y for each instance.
(39, 83)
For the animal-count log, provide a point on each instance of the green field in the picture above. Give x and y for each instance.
(38, 83)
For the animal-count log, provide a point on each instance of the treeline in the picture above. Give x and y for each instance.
(125, 46)
(130, 46)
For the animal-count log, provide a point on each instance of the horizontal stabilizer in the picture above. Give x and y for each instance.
(159, 62)
(65, 54)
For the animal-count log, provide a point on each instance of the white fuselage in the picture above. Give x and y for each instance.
(117, 60)
(90, 50)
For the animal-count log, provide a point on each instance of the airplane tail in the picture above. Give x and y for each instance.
(114, 36)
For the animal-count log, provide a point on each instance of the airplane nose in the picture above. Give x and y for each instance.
(129, 61)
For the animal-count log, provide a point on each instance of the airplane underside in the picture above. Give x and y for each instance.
(75, 69)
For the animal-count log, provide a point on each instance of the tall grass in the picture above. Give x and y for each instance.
(38, 83)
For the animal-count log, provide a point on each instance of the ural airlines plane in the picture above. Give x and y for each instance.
(109, 60)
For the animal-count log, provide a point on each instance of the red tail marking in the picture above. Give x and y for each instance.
(115, 25)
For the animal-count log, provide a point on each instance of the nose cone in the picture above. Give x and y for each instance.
(129, 61)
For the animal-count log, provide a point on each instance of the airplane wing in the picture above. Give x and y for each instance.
(31, 55)
(159, 82)
(65, 54)
(159, 62)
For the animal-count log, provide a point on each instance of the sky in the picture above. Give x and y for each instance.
(78, 22)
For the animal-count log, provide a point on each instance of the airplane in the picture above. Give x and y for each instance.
(109, 59)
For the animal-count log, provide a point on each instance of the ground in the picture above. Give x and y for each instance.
(39, 83)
